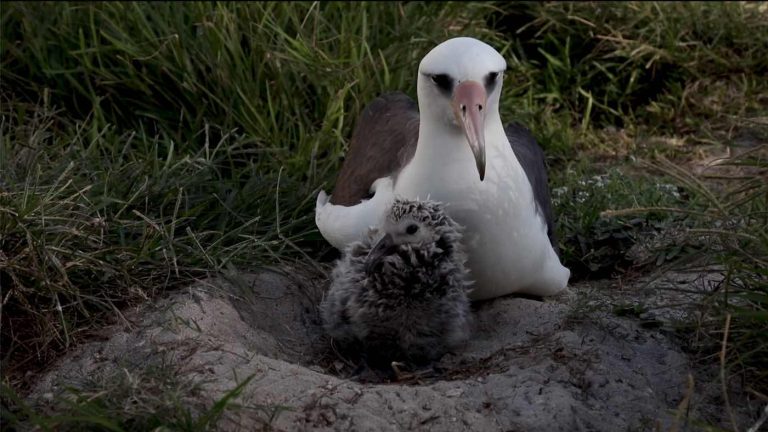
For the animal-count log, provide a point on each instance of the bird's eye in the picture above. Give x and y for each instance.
(490, 79)
(412, 229)
(443, 81)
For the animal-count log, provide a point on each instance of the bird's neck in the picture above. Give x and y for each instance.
(442, 144)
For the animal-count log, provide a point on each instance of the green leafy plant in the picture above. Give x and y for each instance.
(595, 246)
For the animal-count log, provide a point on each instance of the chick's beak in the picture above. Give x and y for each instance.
(384, 247)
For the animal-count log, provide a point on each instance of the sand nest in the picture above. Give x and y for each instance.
(530, 366)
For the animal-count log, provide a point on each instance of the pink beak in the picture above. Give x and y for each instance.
(469, 99)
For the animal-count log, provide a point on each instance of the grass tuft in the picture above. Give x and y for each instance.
(685, 68)
(726, 231)
(736, 224)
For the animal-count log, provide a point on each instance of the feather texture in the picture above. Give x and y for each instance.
(412, 305)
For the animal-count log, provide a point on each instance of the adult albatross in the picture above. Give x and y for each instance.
(453, 148)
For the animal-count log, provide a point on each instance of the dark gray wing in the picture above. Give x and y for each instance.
(383, 142)
(532, 159)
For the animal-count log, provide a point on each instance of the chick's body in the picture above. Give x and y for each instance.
(404, 297)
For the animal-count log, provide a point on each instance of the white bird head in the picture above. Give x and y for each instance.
(459, 85)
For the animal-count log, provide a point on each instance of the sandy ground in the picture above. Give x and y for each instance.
(564, 364)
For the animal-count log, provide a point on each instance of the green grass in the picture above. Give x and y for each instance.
(155, 397)
(691, 69)
(143, 145)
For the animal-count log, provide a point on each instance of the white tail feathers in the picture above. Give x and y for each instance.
(341, 225)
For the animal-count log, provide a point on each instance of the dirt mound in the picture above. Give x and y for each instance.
(530, 366)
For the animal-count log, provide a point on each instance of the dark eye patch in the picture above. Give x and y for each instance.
(412, 229)
(490, 81)
(443, 81)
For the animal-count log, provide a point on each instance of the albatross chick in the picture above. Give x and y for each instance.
(401, 293)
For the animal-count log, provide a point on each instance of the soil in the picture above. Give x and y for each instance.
(570, 363)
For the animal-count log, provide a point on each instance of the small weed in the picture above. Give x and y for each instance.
(595, 246)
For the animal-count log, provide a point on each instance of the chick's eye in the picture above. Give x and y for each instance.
(443, 81)
(412, 229)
